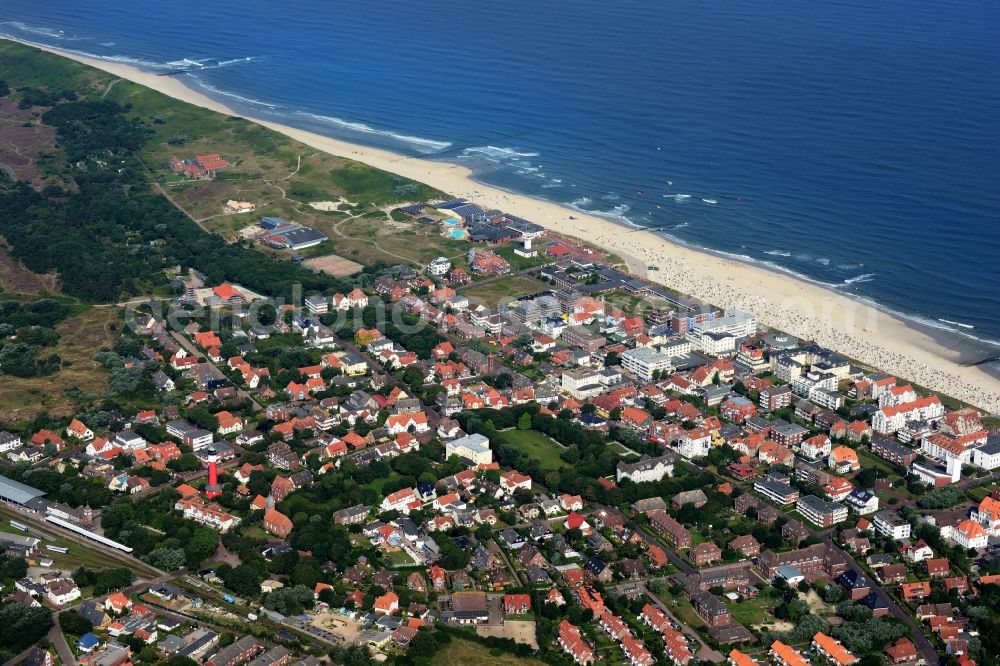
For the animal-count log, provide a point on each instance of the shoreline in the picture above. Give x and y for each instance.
(863, 332)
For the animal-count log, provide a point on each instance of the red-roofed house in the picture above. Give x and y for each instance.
(516, 604)
(78, 430)
(387, 604)
(277, 523)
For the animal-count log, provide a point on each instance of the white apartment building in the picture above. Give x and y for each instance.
(890, 419)
(735, 322)
(475, 448)
(715, 343)
(804, 385)
(439, 266)
(582, 383)
(644, 361)
(646, 469)
(892, 525)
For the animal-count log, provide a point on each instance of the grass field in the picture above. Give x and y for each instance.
(380, 238)
(281, 176)
(979, 492)
(682, 610)
(463, 653)
(519, 263)
(753, 611)
(536, 445)
(80, 337)
(504, 289)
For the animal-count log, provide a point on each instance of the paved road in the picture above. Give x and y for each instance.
(672, 555)
(705, 652)
(197, 353)
(924, 646)
(57, 639)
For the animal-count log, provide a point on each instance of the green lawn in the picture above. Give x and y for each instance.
(751, 611)
(682, 610)
(399, 558)
(868, 460)
(536, 445)
(504, 289)
(621, 450)
(519, 263)
(979, 492)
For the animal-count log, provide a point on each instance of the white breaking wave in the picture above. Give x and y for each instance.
(823, 261)
(226, 93)
(865, 277)
(129, 60)
(36, 30)
(778, 253)
(226, 63)
(367, 129)
(957, 323)
(498, 152)
(582, 201)
(677, 197)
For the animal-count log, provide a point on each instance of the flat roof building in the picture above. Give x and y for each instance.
(17, 492)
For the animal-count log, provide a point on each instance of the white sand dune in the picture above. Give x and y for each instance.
(801, 308)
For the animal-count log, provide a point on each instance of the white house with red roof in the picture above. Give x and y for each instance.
(98, 446)
(576, 521)
(417, 421)
(571, 502)
(695, 443)
(357, 298)
(513, 480)
(78, 430)
(571, 641)
(816, 447)
(967, 534)
(228, 423)
(894, 417)
(117, 603)
(897, 395)
(402, 500)
(987, 514)
(387, 604)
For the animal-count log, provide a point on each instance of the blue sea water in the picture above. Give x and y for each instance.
(854, 143)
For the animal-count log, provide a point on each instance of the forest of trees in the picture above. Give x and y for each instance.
(111, 232)
(25, 329)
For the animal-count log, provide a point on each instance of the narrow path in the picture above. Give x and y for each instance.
(166, 194)
(336, 230)
(298, 165)
(108, 89)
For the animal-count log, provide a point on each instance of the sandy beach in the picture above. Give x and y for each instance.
(801, 308)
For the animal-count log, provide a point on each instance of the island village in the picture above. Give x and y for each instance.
(601, 471)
